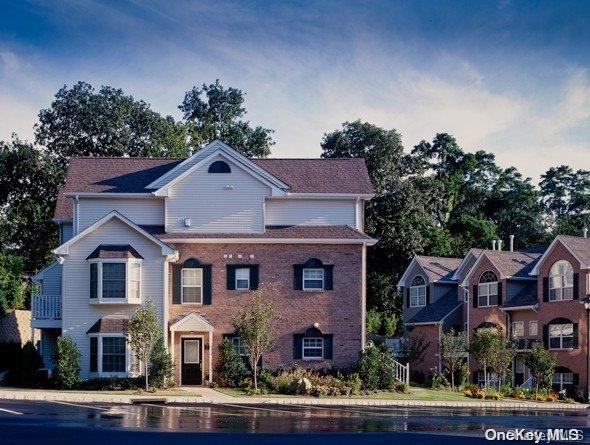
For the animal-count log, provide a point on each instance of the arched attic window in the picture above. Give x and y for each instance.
(561, 281)
(219, 167)
(418, 290)
(488, 290)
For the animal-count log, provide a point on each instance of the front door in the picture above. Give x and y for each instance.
(192, 373)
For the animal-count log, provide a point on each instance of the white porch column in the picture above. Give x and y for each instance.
(210, 356)
(172, 335)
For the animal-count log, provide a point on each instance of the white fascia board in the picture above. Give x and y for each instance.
(407, 271)
(367, 242)
(39, 275)
(477, 263)
(276, 190)
(557, 239)
(404, 277)
(329, 195)
(108, 195)
(63, 250)
(462, 265)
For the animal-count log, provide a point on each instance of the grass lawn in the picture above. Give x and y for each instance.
(419, 394)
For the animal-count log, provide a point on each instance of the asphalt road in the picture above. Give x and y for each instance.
(31, 422)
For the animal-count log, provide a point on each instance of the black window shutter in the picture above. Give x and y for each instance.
(328, 345)
(328, 277)
(207, 284)
(406, 294)
(546, 336)
(93, 280)
(576, 378)
(254, 276)
(475, 295)
(297, 346)
(298, 277)
(475, 377)
(576, 288)
(176, 283)
(428, 294)
(545, 288)
(499, 293)
(231, 277)
(576, 335)
(93, 354)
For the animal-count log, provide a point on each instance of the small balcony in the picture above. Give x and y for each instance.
(46, 311)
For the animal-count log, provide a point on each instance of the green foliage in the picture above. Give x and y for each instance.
(111, 383)
(411, 350)
(26, 366)
(541, 364)
(13, 286)
(29, 181)
(376, 368)
(82, 121)
(161, 370)
(67, 363)
(144, 331)
(438, 380)
(255, 326)
(216, 112)
(380, 323)
(230, 370)
(452, 349)
(323, 383)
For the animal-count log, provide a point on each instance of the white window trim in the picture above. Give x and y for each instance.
(127, 300)
(182, 286)
(419, 292)
(303, 348)
(536, 324)
(313, 289)
(99, 372)
(247, 269)
(561, 382)
(518, 323)
(561, 337)
(562, 287)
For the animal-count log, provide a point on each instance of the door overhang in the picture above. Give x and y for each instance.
(192, 322)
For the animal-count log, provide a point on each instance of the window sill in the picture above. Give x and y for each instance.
(191, 304)
(313, 359)
(419, 305)
(314, 290)
(107, 301)
(562, 349)
(560, 301)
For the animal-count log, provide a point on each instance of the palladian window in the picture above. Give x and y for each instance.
(487, 289)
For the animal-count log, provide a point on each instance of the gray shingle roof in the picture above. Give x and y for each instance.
(438, 310)
(514, 264)
(579, 246)
(438, 268)
(110, 324)
(526, 297)
(132, 175)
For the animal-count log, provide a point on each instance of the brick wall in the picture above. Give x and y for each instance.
(430, 333)
(337, 311)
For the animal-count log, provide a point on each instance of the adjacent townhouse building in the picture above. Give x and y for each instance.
(534, 295)
(198, 236)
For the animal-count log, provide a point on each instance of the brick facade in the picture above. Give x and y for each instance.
(338, 311)
(431, 335)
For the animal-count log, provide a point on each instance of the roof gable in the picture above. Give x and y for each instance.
(579, 247)
(434, 268)
(507, 264)
(63, 250)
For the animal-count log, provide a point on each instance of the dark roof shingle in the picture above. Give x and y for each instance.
(438, 268)
(514, 264)
(110, 324)
(133, 175)
(114, 251)
(438, 310)
(526, 297)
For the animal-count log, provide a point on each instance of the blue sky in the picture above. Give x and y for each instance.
(509, 77)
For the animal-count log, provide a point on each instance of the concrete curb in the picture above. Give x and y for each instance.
(214, 397)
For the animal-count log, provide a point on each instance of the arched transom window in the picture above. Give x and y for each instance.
(418, 291)
(561, 281)
(487, 294)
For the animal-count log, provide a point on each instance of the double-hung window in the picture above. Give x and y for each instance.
(561, 336)
(243, 278)
(533, 328)
(313, 348)
(238, 346)
(192, 285)
(561, 379)
(518, 329)
(108, 354)
(561, 281)
(487, 294)
(313, 279)
(115, 280)
(418, 292)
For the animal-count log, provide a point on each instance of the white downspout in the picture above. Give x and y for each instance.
(77, 214)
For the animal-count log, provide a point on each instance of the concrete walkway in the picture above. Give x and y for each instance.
(208, 395)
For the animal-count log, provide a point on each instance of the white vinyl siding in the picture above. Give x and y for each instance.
(311, 212)
(78, 314)
(217, 203)
(140, 211)
(65, 232)
(51, 283)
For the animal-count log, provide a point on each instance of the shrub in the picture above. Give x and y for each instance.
(376, 368)
(578, 394)
(463, 375)
(26, 370)
(9, 354)
(400, 387)
(517, 394)
(438, 380)
(112, 383)
(418, 377)
(475, 392)
(354, 382)
(67, 363)
(162, 369)
(492, 394)
(230, 368)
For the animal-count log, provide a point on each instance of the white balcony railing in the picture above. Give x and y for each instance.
(46, 307)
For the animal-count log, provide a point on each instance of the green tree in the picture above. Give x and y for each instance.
(485, 347)
(82, 121)
(255, 325)
(230, 369)
(144, 332)
(411, 350)
(13, 287)
(29, 181)
(67, 363)
(216, 112)
(453, 348)
(161, 367)
(541, 364)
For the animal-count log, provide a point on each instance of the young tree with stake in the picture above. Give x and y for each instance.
(144, 331)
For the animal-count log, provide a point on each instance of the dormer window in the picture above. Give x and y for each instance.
(418, 291)
(219, 167)
(561, 281)
(115, 275)
(487, 289)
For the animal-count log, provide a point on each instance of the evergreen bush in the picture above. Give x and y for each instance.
(66, 359)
